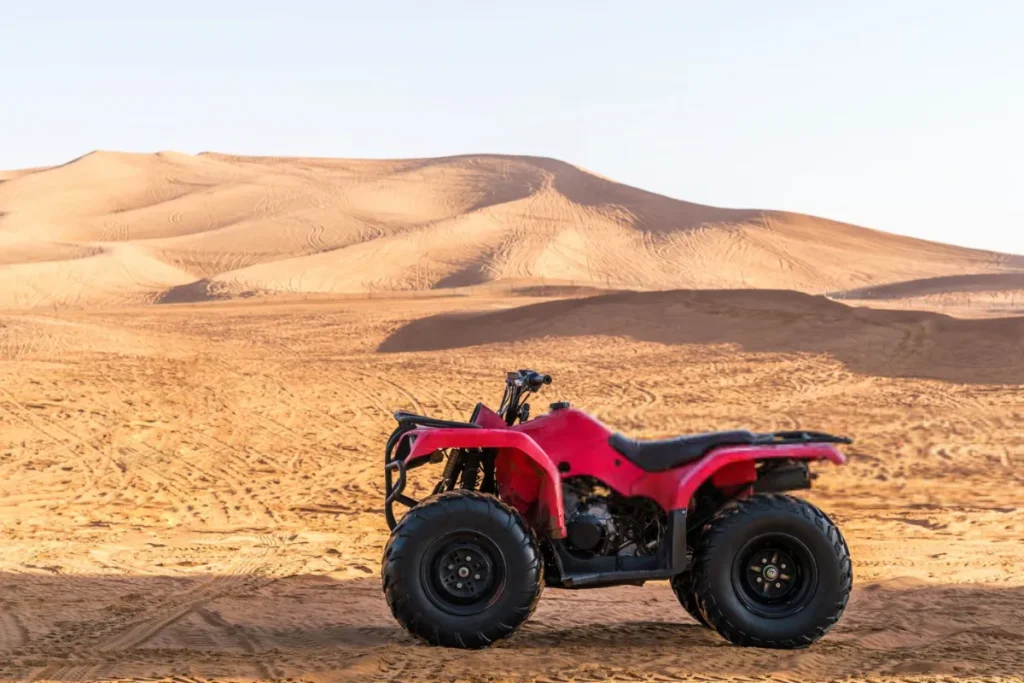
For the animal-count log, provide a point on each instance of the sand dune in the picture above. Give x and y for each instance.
(252, 225)
(15, 249)
(113, 274)
(875, 342)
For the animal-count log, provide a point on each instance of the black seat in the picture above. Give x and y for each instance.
(658, 456)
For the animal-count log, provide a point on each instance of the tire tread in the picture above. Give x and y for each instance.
(457, 502)
(714, 533)
(682, 586)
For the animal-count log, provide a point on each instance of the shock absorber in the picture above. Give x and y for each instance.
(470, 469)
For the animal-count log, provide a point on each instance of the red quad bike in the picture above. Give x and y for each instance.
(561, 501)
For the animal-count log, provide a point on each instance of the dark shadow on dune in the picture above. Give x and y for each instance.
(980, 282)
(193, 292)
(473, 274)
(75, 627)
(505, 182)
(559, 290)
(869, 341)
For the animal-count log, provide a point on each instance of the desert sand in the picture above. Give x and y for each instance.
(193, 490)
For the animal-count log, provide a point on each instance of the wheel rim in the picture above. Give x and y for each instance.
(463, 573)
(775, 575)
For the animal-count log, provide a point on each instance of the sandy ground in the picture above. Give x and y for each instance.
(194, 492)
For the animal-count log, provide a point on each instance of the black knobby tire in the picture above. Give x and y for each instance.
(784, 538)
(497, 565)
(682, 586)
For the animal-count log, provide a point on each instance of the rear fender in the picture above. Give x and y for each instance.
(529, 481)
(732, 466)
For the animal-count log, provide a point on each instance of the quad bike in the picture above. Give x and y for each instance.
(560, 500)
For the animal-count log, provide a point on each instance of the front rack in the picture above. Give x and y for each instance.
(424, 421)
(394, 460)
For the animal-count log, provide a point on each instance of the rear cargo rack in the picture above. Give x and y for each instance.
(800, 436)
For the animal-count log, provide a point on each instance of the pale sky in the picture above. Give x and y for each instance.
(902, 116)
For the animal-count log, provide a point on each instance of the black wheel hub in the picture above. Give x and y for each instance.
(772, 573)
(463, 573)
(775, 575)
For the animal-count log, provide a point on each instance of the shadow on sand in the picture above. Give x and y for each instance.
(249, 626)
(868, 341)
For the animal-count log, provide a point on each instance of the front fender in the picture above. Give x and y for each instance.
(514, 446)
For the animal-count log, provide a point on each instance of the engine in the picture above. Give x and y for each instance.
(599, 521)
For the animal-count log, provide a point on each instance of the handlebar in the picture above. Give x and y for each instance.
(518, 386)
(530, 379)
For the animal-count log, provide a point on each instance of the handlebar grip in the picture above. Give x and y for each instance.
(535, 379)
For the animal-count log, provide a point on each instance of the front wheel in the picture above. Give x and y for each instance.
(772, 571)
(462, 569)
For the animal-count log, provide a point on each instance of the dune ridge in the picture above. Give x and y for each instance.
(875, 342)
(228, 225)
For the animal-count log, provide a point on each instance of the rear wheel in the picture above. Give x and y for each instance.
(772, 571)
(462, 569)
(682, 586)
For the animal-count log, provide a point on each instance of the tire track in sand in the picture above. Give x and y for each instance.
(14, 408)
(315, 238)
(245, 576)
(230, 469)
(13, 633)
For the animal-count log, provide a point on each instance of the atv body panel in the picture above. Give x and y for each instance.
(535, 456)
